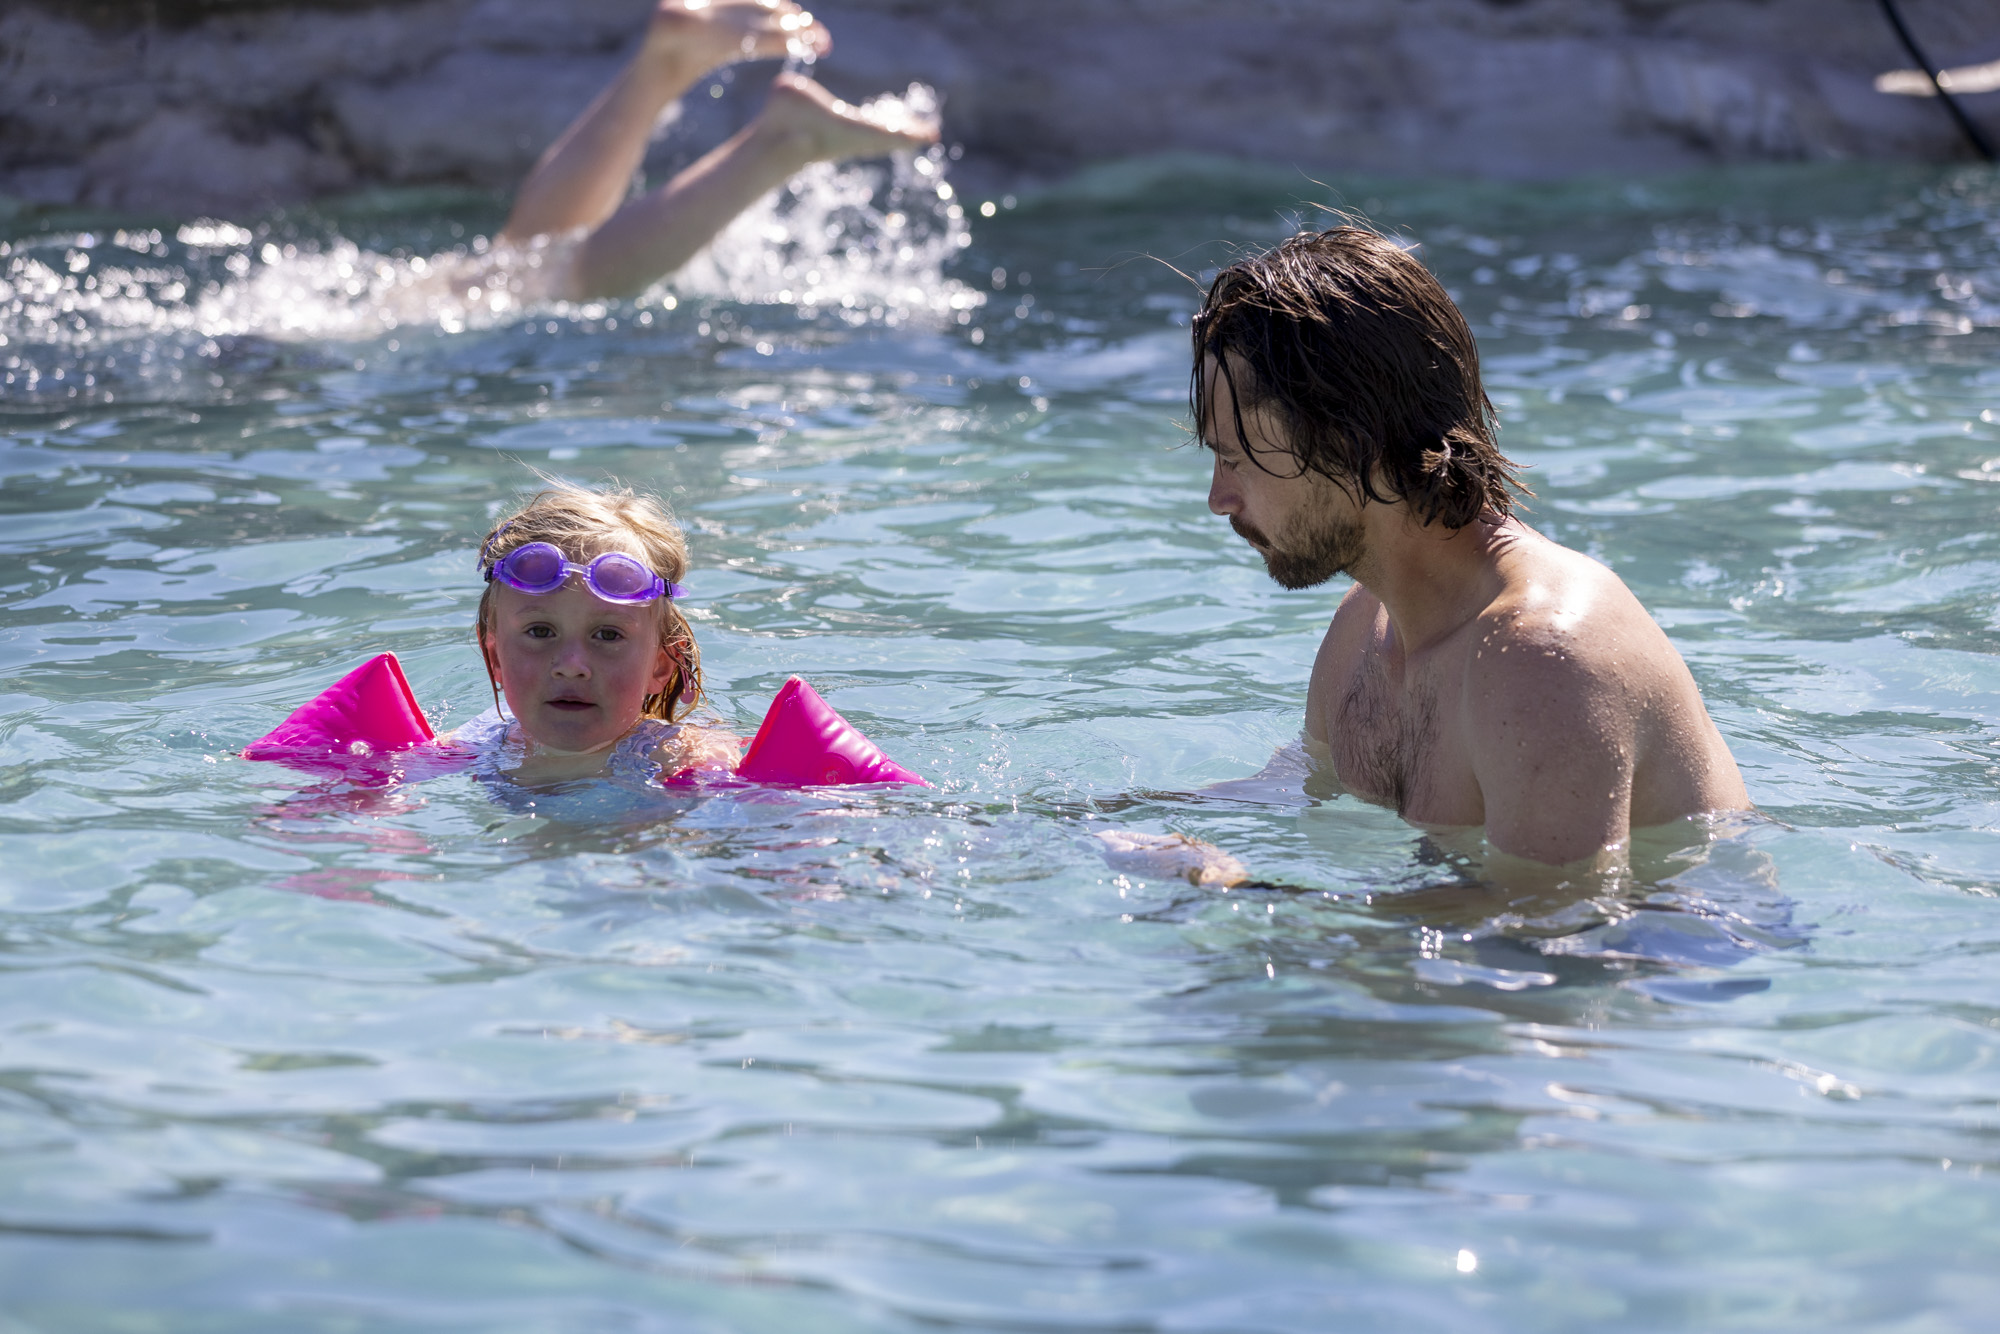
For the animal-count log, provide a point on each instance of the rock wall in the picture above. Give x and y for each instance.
(229, 106)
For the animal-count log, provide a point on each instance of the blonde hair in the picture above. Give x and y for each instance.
(584, 523)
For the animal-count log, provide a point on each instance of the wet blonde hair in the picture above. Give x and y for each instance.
(584, 523)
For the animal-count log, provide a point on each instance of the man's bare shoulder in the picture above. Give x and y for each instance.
(1564, 652)
(1356, 623)
(1559, 605)
(1566, 665)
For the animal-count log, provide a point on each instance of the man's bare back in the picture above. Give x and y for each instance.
(1557, 715)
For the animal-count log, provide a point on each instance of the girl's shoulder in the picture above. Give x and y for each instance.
(492, 741)
(665, 749)
(482, 734)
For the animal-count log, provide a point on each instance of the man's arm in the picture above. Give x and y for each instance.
(1553, 736)
(1281, 782)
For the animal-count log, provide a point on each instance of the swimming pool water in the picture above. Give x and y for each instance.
(278, 1055)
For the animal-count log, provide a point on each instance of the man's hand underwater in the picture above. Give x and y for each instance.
(1171, 856)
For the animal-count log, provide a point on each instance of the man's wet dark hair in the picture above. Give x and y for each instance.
(1358, 351)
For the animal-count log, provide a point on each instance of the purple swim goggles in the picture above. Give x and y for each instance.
(541, 567)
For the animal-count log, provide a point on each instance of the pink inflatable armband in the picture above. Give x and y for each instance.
(368, 711)
(803, 742)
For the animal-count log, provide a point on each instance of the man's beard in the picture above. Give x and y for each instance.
(1308, 556)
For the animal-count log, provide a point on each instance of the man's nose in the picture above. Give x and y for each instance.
(1223, 498)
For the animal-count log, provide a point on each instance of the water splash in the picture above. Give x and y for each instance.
(83, 312)
(220, 279)
(863, 244)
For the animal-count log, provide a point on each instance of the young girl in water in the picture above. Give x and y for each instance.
(582, 180)
(599, 668)
(580, 633)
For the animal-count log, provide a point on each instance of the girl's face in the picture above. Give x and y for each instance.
(576, 669)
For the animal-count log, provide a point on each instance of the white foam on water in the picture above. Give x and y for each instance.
(857, 241)
(78, 290)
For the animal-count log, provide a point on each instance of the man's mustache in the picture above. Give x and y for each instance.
(1248, 534)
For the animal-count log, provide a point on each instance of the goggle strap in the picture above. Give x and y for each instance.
(487, 546)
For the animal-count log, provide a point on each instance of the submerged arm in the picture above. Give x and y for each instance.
(695, 749)
(1281, 782)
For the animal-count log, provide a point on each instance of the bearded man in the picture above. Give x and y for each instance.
(1476, 673)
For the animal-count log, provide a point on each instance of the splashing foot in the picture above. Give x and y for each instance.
(819, 127)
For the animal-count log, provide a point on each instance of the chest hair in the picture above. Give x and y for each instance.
(1384, 738)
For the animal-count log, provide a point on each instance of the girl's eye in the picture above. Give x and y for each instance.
(608, 634)
(540, 632)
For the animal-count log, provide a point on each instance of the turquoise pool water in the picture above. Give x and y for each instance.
(285, 1056)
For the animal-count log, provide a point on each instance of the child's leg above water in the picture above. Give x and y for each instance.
(582, 178)
(584, 175)
(655, 234)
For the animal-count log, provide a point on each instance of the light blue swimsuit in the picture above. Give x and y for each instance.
(496, 745)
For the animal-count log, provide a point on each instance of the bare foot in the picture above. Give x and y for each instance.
(710, 33)
(822, 128)
(1172, 856)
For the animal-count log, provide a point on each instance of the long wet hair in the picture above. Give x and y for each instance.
(584, 523)
(1370, 368)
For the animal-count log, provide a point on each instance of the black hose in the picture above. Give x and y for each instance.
(1965, 125)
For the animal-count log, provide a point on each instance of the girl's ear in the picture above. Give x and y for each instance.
(487, 653)
(665, 664)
